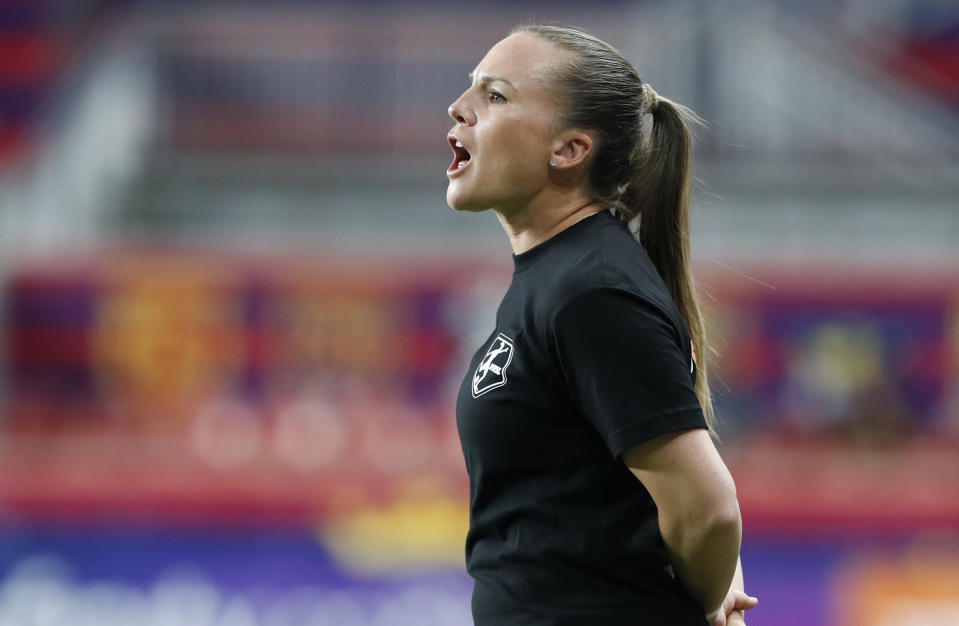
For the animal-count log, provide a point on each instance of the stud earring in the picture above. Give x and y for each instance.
(552, 162)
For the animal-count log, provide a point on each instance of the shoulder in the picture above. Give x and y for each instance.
(603, 265)
(617, 311)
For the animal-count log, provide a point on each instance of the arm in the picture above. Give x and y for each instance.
(626, 397)
(698, 512)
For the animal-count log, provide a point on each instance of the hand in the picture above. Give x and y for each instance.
(736, 618)
(731, 611)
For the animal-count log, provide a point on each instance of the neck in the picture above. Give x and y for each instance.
(535, 224)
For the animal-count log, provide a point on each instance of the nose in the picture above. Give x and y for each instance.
(460, 111)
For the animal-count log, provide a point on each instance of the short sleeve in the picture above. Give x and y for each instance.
(621, 358)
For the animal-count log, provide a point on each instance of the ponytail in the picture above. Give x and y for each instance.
(658, 193)
(641, 164)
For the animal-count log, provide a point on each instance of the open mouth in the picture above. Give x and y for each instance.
(461, 156)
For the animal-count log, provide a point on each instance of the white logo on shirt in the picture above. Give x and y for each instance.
(491, 371)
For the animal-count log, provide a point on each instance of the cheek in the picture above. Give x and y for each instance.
(517, 152)
(516, 171)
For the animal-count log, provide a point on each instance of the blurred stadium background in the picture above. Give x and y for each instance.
(235, 305)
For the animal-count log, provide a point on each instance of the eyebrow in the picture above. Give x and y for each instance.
(484, 78)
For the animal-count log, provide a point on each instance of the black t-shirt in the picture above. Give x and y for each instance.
(588, 358)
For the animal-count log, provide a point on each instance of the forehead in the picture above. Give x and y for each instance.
(522, 58)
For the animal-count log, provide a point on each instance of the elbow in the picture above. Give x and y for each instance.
(717, 530)
(724, 506)
(726, 523)
(714, 517)
(721, 517)
(721, 511)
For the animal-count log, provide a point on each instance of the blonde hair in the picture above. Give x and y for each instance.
(640, 167)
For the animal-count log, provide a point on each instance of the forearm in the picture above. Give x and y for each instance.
(698, 511)
(705, 556)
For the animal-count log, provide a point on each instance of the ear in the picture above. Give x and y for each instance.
(571, 148)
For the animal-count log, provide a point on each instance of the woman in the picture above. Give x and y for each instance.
(589, 380)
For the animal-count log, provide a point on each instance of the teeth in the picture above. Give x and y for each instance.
(459, 144)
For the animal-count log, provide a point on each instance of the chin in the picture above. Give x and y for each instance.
(458, 202)
(467, 209)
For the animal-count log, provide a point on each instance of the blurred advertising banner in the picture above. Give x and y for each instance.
(871, 357)
(106, 576)
(271, 442)
(918, 587)
(192, 382)
(208, 441)
(838, 390)
(176, 384)
(859, 580)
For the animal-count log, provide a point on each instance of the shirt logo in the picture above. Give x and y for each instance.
(491, 371)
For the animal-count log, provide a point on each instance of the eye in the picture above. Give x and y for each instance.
(495, 96)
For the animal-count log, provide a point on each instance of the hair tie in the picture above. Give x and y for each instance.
(650, 98)
(648, 104)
